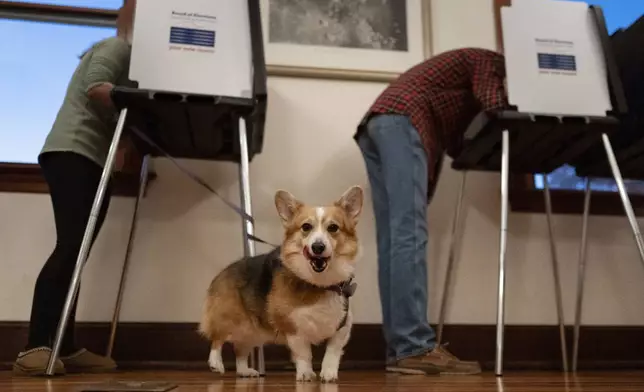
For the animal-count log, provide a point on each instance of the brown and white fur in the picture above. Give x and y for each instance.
(290, 296)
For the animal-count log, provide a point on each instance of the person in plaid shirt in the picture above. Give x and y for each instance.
(403, 137)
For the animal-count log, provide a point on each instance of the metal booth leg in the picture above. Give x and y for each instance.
(626, 202)
(454, 241)
(555, 274)
(257, 356)
(87, 241)
(581, 274)
(500, 310)
(143, 182)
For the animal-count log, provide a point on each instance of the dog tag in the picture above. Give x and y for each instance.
(130, 386)
(349, 289)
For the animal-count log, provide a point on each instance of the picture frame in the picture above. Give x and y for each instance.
(392, 37)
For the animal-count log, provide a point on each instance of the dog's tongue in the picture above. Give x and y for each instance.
(319, 262)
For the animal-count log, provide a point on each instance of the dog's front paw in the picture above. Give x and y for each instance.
(305, 376)
(247, 373)
(329, 375)
(216, 366)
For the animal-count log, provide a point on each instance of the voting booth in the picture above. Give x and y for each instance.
(565, 98)
(201, 94)
(621, 155)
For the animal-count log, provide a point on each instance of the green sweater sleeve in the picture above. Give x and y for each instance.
(109, 61)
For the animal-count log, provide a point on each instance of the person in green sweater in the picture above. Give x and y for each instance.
(72, 160)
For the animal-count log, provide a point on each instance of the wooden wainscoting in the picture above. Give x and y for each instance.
(178, 346)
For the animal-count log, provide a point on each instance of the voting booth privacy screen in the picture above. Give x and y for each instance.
(555, 64)
(193, 46)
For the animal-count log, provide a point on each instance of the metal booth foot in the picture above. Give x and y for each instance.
(455, 240)
(87, 241)
(500, 310)
(555, 274)
(143, 183)
(248, 229)
(581, 274)
(626, 202)
(632, 220)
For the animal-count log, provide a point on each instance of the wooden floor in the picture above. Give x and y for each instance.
(350, 381)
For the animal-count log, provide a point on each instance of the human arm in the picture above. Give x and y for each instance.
(488, 82)
(108, 62)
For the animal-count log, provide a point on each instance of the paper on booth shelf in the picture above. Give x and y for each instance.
(554, 59)
(193, 46)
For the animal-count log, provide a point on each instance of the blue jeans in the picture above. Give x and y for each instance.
(397, 168)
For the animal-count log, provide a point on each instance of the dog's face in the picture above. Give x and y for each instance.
(320, 243)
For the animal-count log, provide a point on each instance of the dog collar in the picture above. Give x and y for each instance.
(345, 289)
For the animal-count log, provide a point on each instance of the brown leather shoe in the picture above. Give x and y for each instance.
(438, 361)
(84, 361)
(34, 363)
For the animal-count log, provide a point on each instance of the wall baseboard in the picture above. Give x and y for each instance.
(178, 346)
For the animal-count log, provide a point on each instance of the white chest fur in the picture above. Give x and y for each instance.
(321, 320)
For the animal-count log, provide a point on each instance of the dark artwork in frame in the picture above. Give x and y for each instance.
(365, 24)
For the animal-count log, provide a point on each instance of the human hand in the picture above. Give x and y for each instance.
(101, 93)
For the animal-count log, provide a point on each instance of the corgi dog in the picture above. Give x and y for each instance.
(297, 295)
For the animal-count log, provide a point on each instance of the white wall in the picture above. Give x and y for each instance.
(186, 236)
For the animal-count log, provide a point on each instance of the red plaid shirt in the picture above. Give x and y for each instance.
(442, 95)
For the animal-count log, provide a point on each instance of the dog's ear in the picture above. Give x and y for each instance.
(287, 205)
(351, 202)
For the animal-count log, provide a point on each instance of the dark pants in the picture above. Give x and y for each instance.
(73, 181)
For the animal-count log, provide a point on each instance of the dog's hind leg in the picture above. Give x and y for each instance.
(334, 352)
(215, 361)
(242, 351)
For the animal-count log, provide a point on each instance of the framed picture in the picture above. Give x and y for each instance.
(369, 40)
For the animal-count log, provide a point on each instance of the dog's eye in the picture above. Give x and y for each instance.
(333, 228)
(307, 227)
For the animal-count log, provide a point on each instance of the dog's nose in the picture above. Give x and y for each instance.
(318, 248)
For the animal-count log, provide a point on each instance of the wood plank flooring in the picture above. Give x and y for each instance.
(350, 381)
